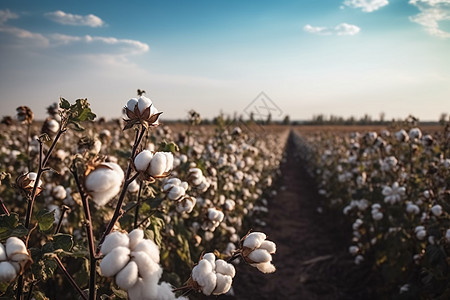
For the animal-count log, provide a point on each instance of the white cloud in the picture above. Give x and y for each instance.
(366, 5)
(5, 15)
(76, 20)
(431, 13)
(341, 29)
(346, 29)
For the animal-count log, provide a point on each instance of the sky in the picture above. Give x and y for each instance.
(289, 57)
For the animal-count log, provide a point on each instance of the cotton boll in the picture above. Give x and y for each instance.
(7, 272)
(169, 161)
(136, 291)
(16, 249)
(132, 103)
(114, 240)
(269, 246)
(59, 192)
(225, 268)
(158, 164)
(2, 253)
(208, 283)
(128, 276)
(436, 210)
(266, 267)
(149, 247)
(133, 187)
(135, 237)
(112, 263)
(142, 160)
(176, 192)
(254, 240)
(223, 284)
(104, 182)
(147, 266)
(260, 256)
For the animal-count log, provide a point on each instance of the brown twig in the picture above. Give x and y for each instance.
(64, 210)
(3, 207)
(71, 280)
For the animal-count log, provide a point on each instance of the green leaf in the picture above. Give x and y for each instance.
(86, 115)
(10, 221)
(46, 219)
(9, 227)
(19, 231)
(63, 241)
(63, 103)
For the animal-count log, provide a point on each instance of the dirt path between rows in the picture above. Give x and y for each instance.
(312, 259)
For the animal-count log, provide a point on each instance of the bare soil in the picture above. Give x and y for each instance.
(312, 257)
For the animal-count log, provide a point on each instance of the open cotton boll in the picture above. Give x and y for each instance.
(7, 271)
(260, 256)
(266, 267)
(104, 182)
(135, 237)
(142, 160)
(165, 292)
(32, 176)
(223, 284)
(254, 240)
(225, 268)
(208, 283)
(150, 248)
(2, 253)
(150, 289)
(147, 267)
(112, 263)
(16, 249)
(270, 246)
(114, 240)
(132, 103)
(158, 164)
(436, 210)
(176, 192)
(143, 103)
(128, 276)
(169, 161)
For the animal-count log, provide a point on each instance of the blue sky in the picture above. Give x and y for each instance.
(342, 57)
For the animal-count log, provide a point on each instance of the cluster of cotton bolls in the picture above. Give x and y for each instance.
(213, 219)
(152, 164)
(401, 173)
(212, 276)
(176, 191)
(14, 257)
(134, 263)
(196, 178)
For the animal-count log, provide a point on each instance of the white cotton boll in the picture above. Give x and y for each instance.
(2, 253)
(104, 182)
(260, 256)
(254, 240)
(176, 192)
(112, 263)
(136, 291)
(149, 247)
(269, 246)
(266, 267)
(359, 259)
(32, 176)
(59, 192)
(135, 236)
(353, 250)
(143, 103)
(133, 187)
(52, 125)
(225, 268)
(132, 103)
(223, 284)
(16, 249)
(447, 235)
(142, 160)
(128, 276)
(7, 272)
(436, 210)
(377, 216)
(147, 266)
(114, 240)
(158, 164)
